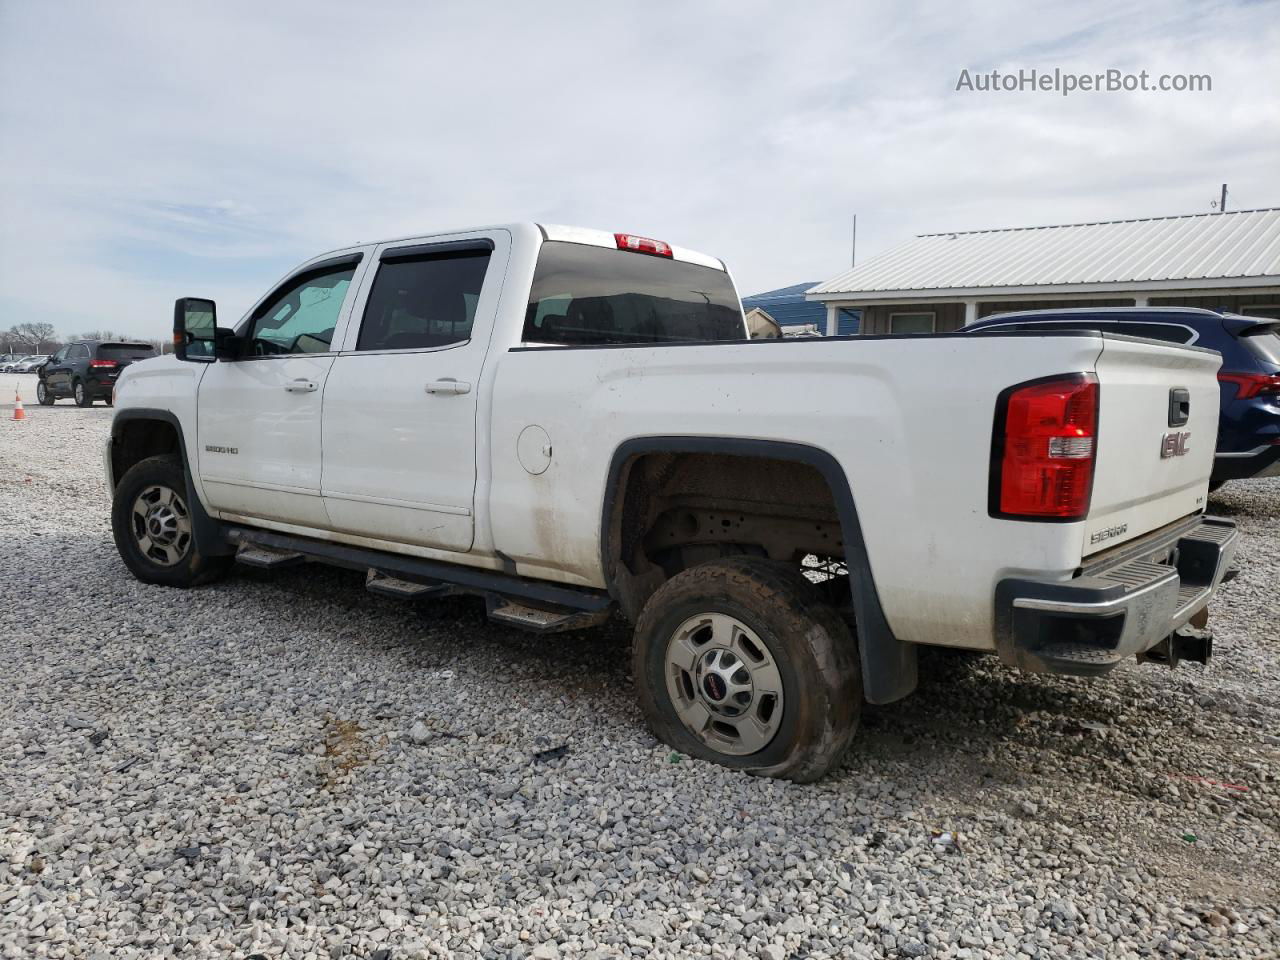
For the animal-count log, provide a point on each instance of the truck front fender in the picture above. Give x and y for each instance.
(125, 438)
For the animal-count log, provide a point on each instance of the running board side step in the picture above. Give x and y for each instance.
(552, 606)
(386, 585)
(524, 617)
(267, 558)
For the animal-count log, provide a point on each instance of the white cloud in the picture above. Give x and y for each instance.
(149, 151)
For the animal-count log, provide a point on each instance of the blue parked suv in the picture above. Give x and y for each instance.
(1249, 427)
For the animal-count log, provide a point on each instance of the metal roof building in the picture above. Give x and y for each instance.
(941, 281)
(788, 307)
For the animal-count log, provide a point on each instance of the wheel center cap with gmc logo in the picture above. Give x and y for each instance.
(714, 686)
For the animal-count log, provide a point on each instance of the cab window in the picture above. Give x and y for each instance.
(423, 301)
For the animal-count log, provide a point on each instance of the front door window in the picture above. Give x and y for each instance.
(302, 316)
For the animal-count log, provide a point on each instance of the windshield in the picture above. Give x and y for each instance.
(593, 295)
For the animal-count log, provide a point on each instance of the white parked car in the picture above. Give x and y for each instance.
(570, 422)
(26, 364)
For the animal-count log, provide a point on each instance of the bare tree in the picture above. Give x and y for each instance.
(102, 335)
(36, 336)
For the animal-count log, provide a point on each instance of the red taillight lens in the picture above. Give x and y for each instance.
(1043, 449)
(635, 244)
(1252, 384)
(103, 363)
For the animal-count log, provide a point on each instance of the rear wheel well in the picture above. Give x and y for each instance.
(673, 510)
(785, 501)
(135, 440)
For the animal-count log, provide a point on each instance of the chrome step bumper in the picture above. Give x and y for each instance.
(1087, 625)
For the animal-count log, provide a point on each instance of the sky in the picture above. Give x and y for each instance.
(151, 150)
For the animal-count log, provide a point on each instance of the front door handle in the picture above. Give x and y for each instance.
(449, 387)
(302, 386)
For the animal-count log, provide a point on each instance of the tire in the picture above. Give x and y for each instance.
(44, 394)
(163, 552)
(776, 632)
(81, 394)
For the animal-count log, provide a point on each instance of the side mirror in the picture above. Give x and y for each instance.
(195, 324)
(226, 345)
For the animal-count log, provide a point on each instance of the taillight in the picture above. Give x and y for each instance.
(103, 363)
(1043, 449)
(657, 248)
(1252, 384)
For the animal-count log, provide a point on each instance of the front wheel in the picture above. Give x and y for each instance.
(82, 395)
(152, 524)
(739, 661)
(44, 394)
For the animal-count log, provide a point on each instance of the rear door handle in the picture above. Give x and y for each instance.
(301, 386)
(449, 387)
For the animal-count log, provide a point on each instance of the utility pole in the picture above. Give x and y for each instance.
(1222, 204)
(853, 249)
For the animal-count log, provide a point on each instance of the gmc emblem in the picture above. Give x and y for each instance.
(1174, 445)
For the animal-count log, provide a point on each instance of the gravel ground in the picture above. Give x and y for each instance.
(285, 766)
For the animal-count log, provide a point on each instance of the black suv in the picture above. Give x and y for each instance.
(86, 370)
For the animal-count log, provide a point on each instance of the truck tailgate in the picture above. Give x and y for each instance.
(1152, 468)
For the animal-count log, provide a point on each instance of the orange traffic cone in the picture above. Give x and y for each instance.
(18, 412)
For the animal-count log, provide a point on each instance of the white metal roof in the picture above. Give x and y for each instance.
(1240, 248)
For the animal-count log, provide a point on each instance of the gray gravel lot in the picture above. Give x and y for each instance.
(287, 766)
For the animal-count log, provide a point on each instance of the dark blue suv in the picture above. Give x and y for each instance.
(1249, 427)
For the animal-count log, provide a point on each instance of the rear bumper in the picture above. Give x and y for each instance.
(1261, 462)
(1117, 609)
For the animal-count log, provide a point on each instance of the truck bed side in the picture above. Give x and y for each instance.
(909, 420)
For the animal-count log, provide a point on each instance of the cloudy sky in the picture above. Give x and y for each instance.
(153, 150)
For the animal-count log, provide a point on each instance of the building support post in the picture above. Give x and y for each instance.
(833, 319)
(970, 312)
(1140, 302)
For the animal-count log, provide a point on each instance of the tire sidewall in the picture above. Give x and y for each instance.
(81, 394)
(43, 394)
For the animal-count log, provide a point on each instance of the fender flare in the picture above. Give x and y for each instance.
(208, 532)
(889, 669)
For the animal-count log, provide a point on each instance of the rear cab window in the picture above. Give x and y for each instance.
(126, 351)
(588, 295)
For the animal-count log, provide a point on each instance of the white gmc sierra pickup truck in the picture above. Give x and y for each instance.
(569, 422)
